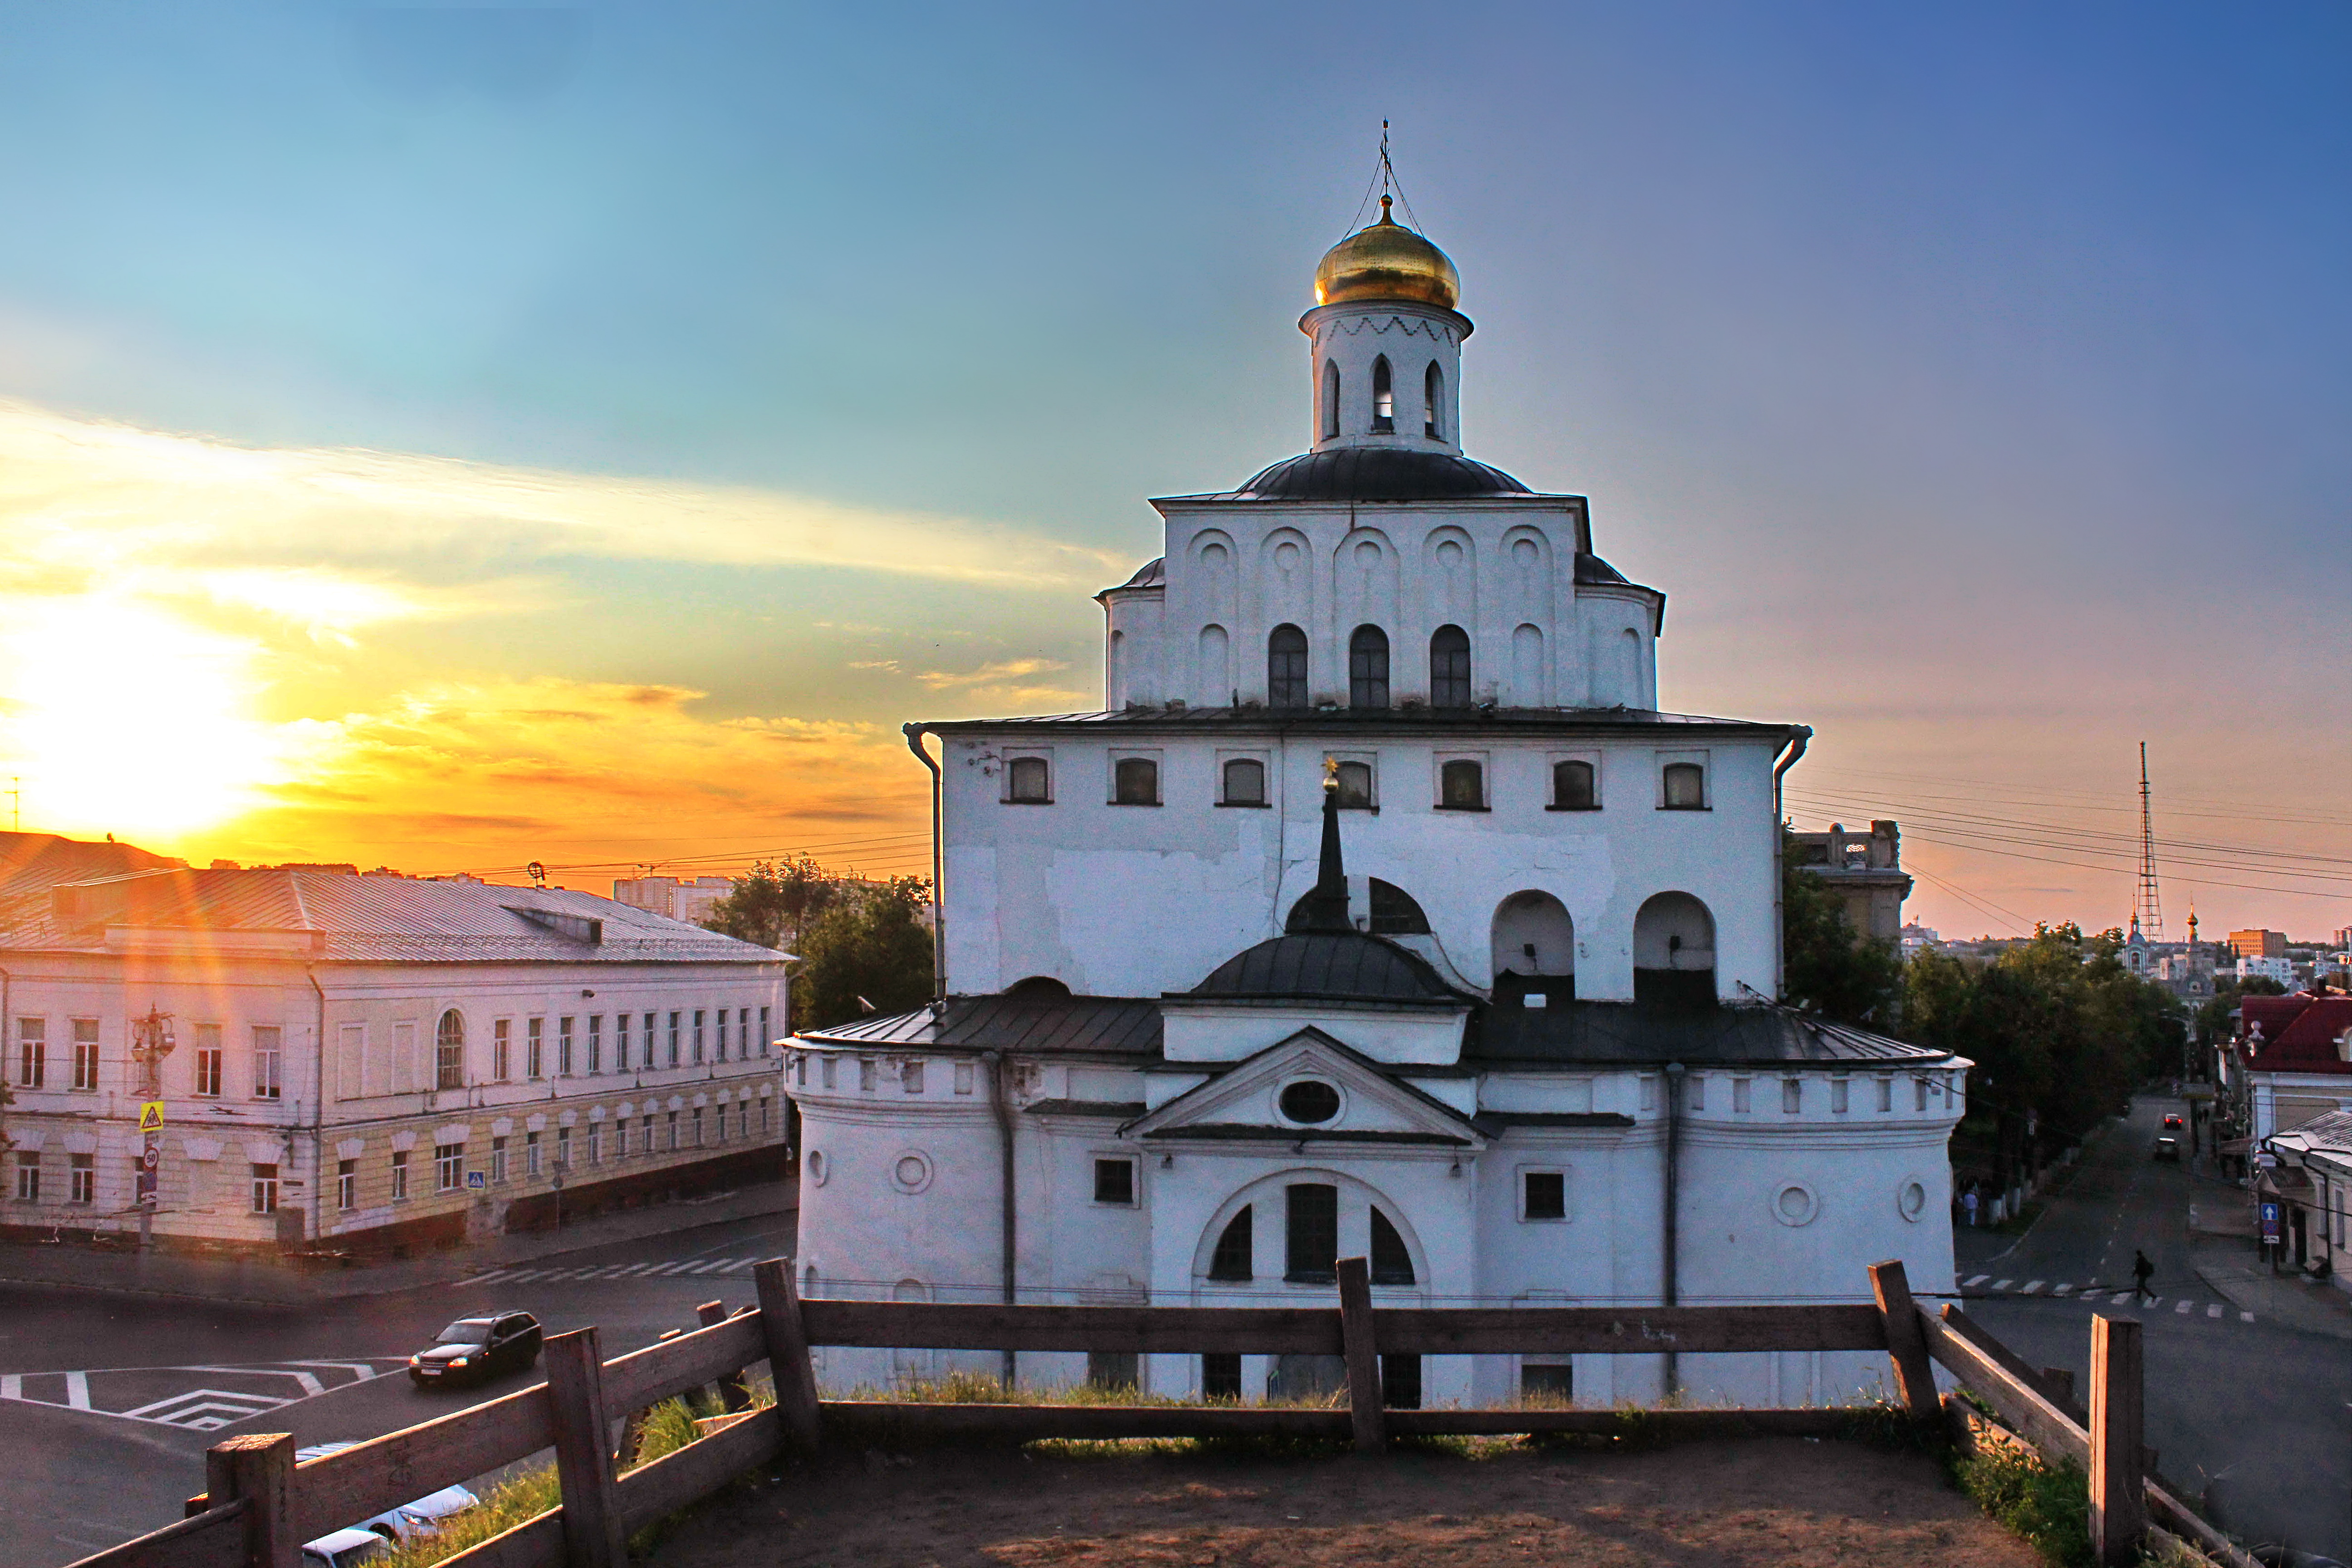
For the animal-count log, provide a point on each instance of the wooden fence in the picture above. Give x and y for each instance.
(259, 1506)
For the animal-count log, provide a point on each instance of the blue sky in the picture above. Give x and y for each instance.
(1973, 379)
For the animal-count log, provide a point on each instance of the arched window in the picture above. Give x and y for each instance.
(1461, 787)
(1355, 782)
(1394, 911)
(1244, 782)
(1038, 988)
(1391, 1263)
(1432, 398)
(1028, 782)
(1330, 399)
(1135, 781)
(1383, 398)
(1449, 667)
(450, 1051)
(1674, 951)
(1572, 787)
(1232, 1259)
(1686, 788)
(1367, 668)
(1285, 667)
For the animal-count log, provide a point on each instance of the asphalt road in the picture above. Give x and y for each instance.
(2252, 1415)
(108, 1403)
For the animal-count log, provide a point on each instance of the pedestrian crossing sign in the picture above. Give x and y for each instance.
(476, 1181)
(150, 1115)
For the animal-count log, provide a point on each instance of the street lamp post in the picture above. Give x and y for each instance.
(151, 1041)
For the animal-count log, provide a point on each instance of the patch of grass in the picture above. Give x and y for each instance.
(2049, 1507)
(1886, 1425)
(516, 1501)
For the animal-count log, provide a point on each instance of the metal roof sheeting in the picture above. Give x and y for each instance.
(1614, 1033)
(353, 919)
(1115, 1026)
(1334, 966)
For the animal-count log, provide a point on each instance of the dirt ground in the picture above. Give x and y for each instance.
(1721, 1505)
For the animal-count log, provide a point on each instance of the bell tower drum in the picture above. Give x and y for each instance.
(1387, 360)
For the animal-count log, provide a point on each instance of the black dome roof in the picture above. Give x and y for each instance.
(1378, 473)
(1346, 965)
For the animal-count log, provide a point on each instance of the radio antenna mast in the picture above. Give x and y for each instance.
(2150, 909)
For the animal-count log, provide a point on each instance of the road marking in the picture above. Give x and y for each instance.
(711, 1268)
(2121, 1297)
(631, 1269)
(2061, 1288)
(199, 1409)
(1972, 1284)
(202, 1409)
(2246, 1316)
(666, 1268)
(2214, 1310)
(2002, 1284)
(2184, 1307)
(485, 1279)
(2031, 1288)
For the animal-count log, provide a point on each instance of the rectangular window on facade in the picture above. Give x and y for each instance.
(85, 1049)
(646, 1039)
(82, 1174)
(674, 1018)
(1695, 1091)
(698, 1036)
(502, 1049)
(1741, 1101)
(1135, 781)
(621, 1042)
(399, 1174)
(1574, 786)
(1886, 1094)
(347, 1185)
(28, 1176)
(530, 1155)
(646, 1128)
(564, 1148)
(595, 1143)
(673, 1132)
(1115, 1182)
(1684, 787)
(1543, 1194)
(595, 1043)
(621, 1139)
(269, 1060)
(1221, 1375)
(32, 1052)
(1461, 785)
(1792, 1096)
(1112, 1369)
(1028, 782)
(1244, 779)
(827, 1068)
(1919, 1094)
(763, 1119)
(1311, 1232)
(1548, 1382)
(963, 1077)
(265, 1188)
(1355, 787)
(498, 1159)
(564, 1047)
(865, 1075)
(208, 1060)
(1837, 1096)
(534, 1047)
(764, 1031)
(910, 1078)
(448, 1167)
(743, 1034)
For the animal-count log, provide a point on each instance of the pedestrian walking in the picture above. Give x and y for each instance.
(1969, 1203)
(2142, 1269)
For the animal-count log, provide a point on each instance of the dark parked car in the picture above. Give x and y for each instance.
(476, 1350)
(2172, 1122)
(2166, 1148)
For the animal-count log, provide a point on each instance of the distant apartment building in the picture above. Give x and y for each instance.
(373, 1062)
(1865, 871)
(1918, 939)
(2258, 944)
(2281, 969)
(690, 900)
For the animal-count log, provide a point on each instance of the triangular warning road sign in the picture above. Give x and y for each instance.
(150, 1115)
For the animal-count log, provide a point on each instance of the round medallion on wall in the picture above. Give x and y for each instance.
(1911, 1199)
(1310, 1101)
(1795, 1203)
(815, 1166)
(911, 1172)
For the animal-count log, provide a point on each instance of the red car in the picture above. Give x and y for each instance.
(2172, 1122)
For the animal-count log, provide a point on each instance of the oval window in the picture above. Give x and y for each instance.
(1309, 1101)
(815, 1164)
(1911, 1201)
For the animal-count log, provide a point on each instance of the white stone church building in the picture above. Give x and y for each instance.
(1379, 912)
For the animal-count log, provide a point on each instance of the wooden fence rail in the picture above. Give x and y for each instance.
(258, 1506)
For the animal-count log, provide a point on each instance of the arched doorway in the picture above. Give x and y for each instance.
(1534, 949)
(1674, 952)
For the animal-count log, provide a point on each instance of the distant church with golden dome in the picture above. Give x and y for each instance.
(1379, 911)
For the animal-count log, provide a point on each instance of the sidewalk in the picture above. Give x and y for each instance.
(264, 1282)
(2237, 1273)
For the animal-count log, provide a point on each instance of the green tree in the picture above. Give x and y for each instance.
(1827, 966)
(869, 952)
(775, 902)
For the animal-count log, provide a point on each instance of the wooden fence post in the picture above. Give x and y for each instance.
(2118, 1473)
(1364, 1409)
(258, 1468)
(1907, 1347)
(733, 1397)
(584, 1458)
(788, 1352)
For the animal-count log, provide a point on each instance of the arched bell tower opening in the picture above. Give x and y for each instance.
(1533, 951)
(1674, 952)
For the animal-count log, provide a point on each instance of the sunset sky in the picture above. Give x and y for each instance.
(454, 438)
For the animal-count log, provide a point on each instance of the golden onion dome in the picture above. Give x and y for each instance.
(1387, 261)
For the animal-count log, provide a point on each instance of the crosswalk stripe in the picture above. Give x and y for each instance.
(491, 1278)
(520, 1275)
(628, 1270)
(2246, 1316)
(2060, 1290)
(2184, 1307)
(1972, 1283)
(2002, 1284)
(714, 1267)
(2120, 1298)
(2031, 1288)
(2214, 1310)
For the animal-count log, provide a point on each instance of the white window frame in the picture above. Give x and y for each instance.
(1600, 774)
(1134, 1178)
(1699, 759)
(1004, 774)
(1371, 760)
(1437, 780)
(84, 1081)
(1519, 1193)
(1265, 761)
